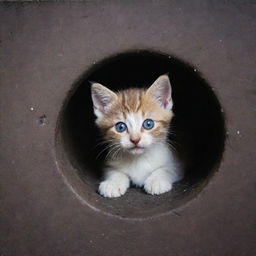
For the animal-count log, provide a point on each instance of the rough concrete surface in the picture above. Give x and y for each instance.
(44, 48)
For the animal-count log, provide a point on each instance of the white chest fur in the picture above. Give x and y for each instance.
(138, 168)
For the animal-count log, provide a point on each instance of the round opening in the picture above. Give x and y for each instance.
(198, 132)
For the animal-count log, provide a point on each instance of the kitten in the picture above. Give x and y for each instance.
(135, 123)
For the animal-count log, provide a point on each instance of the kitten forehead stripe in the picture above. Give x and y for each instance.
(131, 100)
(124, 101)
(139, 101)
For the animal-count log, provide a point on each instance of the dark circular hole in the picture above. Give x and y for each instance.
(198, 132)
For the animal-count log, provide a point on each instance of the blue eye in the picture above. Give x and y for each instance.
(148, 124)
(120, 127)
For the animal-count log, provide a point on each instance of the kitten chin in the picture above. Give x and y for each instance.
(136, 122)
(136, 151)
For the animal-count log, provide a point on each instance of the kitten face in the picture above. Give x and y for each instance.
(136, 119)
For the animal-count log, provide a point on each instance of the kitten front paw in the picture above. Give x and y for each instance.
(110, 188)
(157, 186)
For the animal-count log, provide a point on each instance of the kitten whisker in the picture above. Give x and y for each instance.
(169, 143)
(106, 148)
(114, 147)
(103, 142)
(116, 153)
(171, 133)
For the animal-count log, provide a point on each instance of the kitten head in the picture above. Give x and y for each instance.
(134, 120)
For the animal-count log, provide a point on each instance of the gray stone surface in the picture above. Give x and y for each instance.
(44, 48)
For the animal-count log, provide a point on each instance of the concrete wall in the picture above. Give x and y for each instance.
(45, 49)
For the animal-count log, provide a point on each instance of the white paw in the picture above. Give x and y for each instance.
(110, 188)
(157, 186)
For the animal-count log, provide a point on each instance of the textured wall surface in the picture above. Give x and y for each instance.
(45, 48)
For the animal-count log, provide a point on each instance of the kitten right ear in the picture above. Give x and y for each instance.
(102, 99)
(161, 91)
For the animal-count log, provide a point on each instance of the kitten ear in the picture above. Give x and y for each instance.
(161, 91)
(102, 99)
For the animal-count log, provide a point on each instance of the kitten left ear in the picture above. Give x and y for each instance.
(161, 91)
(102, 98)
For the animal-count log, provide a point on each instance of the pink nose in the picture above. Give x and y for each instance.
(135, 139)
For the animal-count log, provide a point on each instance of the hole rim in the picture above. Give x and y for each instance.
(59, 148)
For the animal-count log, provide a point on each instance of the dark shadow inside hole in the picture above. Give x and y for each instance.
(198, 125)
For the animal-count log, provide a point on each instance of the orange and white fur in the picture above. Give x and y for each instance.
(135, 123)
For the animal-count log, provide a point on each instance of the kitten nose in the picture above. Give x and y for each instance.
(135, 138)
